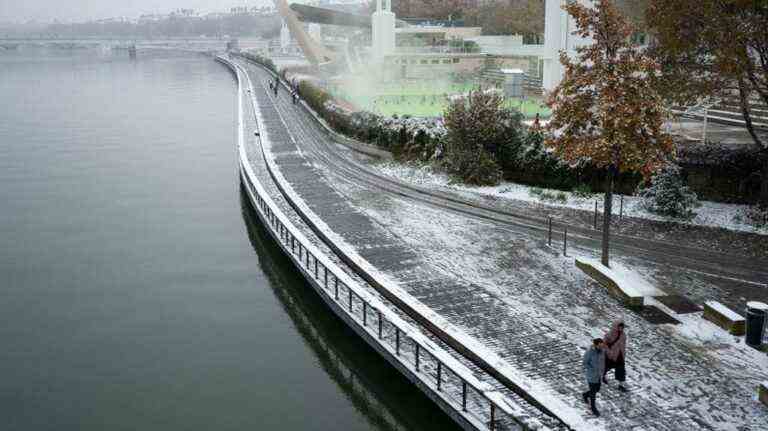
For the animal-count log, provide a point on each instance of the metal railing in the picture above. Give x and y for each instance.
(475, 401)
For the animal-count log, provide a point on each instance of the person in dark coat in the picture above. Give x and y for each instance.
(277, 86)
(594, 368)
(616, 347)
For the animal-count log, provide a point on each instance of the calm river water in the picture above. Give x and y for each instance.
(137, 289)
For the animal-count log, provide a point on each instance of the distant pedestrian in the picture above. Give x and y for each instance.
(594, 368)
(277, 86)
(270, 86)
(537, 122)
(616, 347)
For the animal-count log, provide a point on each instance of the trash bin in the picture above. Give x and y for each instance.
(757, 314)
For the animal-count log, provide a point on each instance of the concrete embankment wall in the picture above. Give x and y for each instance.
(473, 404)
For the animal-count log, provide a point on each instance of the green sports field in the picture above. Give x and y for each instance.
(420, 99)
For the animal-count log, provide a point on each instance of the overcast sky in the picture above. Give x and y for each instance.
(83, 10)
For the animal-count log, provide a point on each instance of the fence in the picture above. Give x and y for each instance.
(446, 380)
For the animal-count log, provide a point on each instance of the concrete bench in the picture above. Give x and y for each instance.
(724, 317)
(762, 393)
(621, 282)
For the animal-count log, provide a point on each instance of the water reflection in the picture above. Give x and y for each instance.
(386, 399)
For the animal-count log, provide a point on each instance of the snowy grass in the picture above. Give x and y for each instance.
(711, 214)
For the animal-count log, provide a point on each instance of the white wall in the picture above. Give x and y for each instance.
(558, 26)
(383, 32)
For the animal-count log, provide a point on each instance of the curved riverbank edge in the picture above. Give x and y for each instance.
(287, 236)
(535, 392)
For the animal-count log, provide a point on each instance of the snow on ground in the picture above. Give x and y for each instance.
(629, 281)
(694, 371)
(712, 214)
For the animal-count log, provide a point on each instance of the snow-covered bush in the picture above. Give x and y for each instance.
(533, 162)
(407, 138)
(473, 167)
(755, 216)
(260, 59)
(481, 136)
(668, 195)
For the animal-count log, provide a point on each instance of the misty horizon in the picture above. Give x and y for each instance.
(75, 11)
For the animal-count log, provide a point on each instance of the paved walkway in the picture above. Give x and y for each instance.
(271, 123)
(525, 302)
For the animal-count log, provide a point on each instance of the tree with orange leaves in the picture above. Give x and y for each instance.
(606, 110)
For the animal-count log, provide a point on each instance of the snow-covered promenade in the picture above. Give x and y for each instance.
(518, 309)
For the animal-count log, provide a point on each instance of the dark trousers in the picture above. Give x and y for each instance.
(591, 395)
(618, 365)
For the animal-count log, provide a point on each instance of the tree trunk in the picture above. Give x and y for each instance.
(744, 94)
(762, 200)
(607, 210)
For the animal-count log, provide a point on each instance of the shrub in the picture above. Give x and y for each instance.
(481, 137)
(755, 216)
(315, 97)
(260, 59)
(533, 162)
(668, 195)
(582, 191)
(474, 167)
(547, 195)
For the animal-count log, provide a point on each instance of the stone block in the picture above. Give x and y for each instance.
(627, 288)
(724, 317)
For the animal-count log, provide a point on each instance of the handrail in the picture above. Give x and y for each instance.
(289, 235)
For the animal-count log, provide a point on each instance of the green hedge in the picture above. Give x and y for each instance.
(260, 59)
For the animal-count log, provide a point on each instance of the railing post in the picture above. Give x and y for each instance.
(595, 215)
(565, 241)
(306, 255)
(463, 396)
(365, 313)
(493, 415)
(293, 244)
(397, 341)
(350, 299)
(336, 288)
(621, 207)
(315, 266)
(325, 271)
(380, 325)
(416, 347)
(549, 237)
(439, 374)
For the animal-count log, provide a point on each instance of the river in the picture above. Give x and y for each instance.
(137, 289)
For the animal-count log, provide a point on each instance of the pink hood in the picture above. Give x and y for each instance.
(616, 342)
